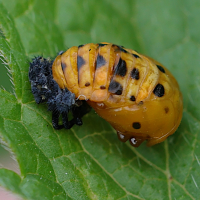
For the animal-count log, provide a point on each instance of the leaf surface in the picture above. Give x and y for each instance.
(89, 162)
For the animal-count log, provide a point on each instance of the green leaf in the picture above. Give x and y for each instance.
(89, 162)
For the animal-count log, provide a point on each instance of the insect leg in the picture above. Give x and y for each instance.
(76, 114)
(67, 124)
(55, 119)
(79, 111)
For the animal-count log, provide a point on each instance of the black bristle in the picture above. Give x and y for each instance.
(45, 89)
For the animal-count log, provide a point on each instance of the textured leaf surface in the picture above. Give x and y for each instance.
(89, 162)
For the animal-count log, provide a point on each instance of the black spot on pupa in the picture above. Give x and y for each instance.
(89, 49)
(100, 61)
(132, 98)
(116, 48)
(101, 45)
(121, 68)
(87, 84)
(135, 55)
(160, 68)
(159, 90)
(63, 65)
(102, 87)
(136, 125)
(115, 88)
(135, 74)
(80, 62)
(122, 49)
(140, 103)
(80, 45)
(166, 110)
